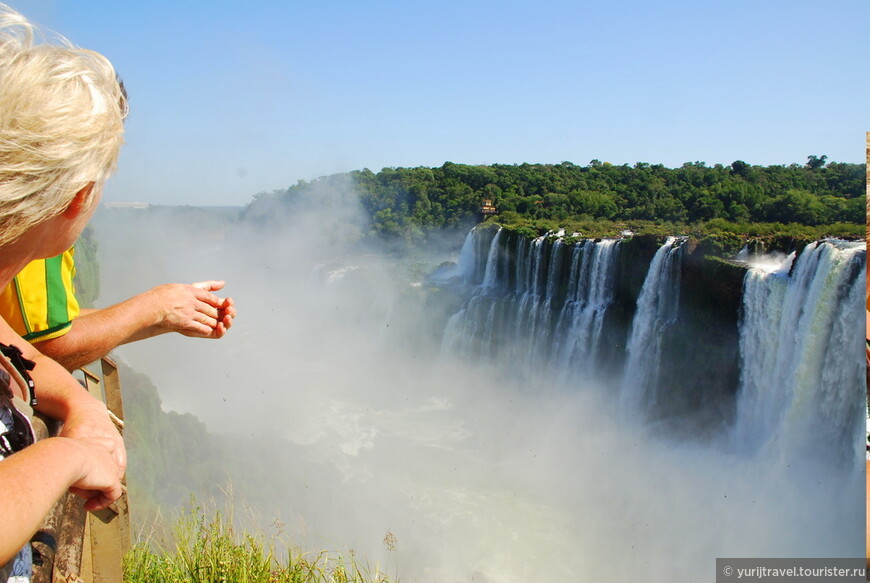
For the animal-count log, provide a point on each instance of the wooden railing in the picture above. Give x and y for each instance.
(76, 546)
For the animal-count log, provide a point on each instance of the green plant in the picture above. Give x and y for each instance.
(209, 549)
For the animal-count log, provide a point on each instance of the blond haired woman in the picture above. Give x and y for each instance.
(61, 125)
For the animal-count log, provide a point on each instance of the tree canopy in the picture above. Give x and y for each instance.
(409, 202)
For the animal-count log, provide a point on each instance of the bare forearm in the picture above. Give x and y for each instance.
(191, 310)
(60, 396)
(90, 456)
(32, 481)
(57, 391)
(95, 333)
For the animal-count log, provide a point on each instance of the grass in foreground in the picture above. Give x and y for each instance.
(211, 551)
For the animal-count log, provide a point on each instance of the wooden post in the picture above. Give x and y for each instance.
(107, 533)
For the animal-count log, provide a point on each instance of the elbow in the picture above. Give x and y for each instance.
(58, 351)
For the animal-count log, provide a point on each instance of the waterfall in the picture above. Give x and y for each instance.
(491, 267)
(590, 292)
(465, 267)
(473, 263)
(802, 377)
(656, 310)
(538, 301)
(546, 307)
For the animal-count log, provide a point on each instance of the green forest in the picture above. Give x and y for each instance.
(409, 203)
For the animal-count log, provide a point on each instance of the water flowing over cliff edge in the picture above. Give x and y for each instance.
(765, 347)
(486, 417)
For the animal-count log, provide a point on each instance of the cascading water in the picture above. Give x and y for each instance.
(800, 341)
(534, 301)
(490, 273)
(656, 310)
(541, 305)
(590, 292)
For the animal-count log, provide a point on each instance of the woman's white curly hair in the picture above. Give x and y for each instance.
(62, 111)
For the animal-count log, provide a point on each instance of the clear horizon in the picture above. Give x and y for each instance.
(228, 102)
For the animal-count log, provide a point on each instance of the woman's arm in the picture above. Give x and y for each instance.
(61, 397)
(35, 478)
(191, 310)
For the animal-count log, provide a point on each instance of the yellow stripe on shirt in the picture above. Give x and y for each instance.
(40, 303)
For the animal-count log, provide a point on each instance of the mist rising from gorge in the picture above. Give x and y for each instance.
(479, 476)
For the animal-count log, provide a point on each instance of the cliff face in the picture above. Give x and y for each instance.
(699, 368)
(561, 289)
(633, 262)
(703, 360)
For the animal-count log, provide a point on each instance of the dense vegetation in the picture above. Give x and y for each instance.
(411, 202)
(209, 549)
(170, 454)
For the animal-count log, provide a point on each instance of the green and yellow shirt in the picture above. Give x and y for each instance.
(39, 304)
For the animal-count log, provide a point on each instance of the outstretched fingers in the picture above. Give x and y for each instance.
(218, 311)
(193, 310)
(211, 285)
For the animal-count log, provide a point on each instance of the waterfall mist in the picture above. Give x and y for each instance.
(479, 474)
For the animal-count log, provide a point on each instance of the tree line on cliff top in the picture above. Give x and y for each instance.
(409, 202)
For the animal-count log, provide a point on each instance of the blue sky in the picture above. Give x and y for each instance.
(231, 99)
